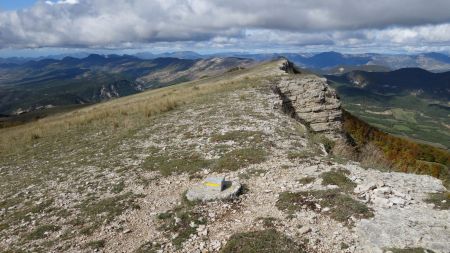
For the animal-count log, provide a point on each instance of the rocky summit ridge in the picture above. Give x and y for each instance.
(117, 182)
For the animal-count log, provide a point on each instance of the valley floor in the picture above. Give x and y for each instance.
(114, 191)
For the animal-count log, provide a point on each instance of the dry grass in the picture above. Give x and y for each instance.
(441, 200)
(339, 178)
(240, 158)
(306, 180)
(372, 157)
(409, 250)
(239, 136)
(179, 221)
(125, 113)
(294, 155)
(264, 241)
(342, 206)
(343, 150)
(178, 163)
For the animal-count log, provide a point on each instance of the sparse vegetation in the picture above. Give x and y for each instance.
(148, 247)
(93, 213)
(25, 213)
(372, 157)
(342, 206)
(294, 155)
(251, 173)
(239, 136)
(98, 244)
(306, 180)
(181, 221)
(339, 178)
(192, 163)
(118, 188)
(344, 245)
(268, 222)
(319, 139)
(41, 232)
(265, 241)
(409, 250)
(240, 158)
(440, 200)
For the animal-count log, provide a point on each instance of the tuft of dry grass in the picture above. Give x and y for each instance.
(440, 200)
(342, 206)
(409, 250)
(179, 163)
(41, 232)
(371, 156)
(339, 178)
(264, 241)
(95, 245)
(306, 180)
(343, 150)
(294, 155)
(239, 136)
(240, 158)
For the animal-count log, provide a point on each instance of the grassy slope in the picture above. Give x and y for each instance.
(127, 111)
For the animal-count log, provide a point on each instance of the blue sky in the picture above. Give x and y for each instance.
(351, 26)
(15, 4)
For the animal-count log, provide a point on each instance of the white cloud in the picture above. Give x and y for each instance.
(61, 2)
(419, 34)
(227, 24)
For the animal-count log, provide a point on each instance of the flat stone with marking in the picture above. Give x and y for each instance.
(213, 188)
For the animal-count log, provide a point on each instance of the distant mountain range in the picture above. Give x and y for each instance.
(405, 81)
(35, 85)
(325, 62)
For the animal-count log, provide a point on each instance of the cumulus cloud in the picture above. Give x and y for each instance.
(118, 23)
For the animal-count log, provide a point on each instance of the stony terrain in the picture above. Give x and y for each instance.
(124, 192)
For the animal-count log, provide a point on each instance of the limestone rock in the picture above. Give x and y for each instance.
(309, 99)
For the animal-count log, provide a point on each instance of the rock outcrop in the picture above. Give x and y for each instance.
(309, 99)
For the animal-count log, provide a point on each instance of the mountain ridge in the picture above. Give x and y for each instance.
(95, 78)
(405, 80)
(432, 61)
(113, 176)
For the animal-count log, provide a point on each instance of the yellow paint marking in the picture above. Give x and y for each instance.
(212, 184)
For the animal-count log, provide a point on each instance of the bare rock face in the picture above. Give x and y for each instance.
(309, 99)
